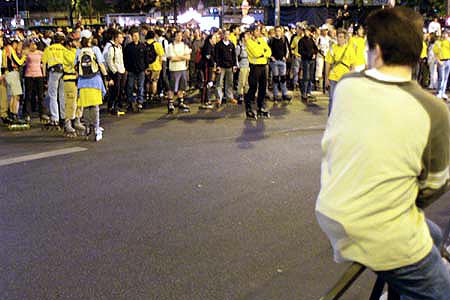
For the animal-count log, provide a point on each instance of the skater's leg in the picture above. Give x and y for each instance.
(70, 97)
(62, 107)
(253, 86)
(3, 99)
(53, 81)
(262, 84)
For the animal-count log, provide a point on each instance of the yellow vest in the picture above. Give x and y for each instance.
(53, 55)
(258, 51)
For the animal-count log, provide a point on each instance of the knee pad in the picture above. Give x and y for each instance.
(283, 78)
(276, 79)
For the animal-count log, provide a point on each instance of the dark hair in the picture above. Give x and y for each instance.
(159, 32)
(150, 35)
(84, 42)
(399, 34)
(133, 30)
(233, 27)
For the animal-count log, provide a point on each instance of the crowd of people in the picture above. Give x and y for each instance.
(66, 75)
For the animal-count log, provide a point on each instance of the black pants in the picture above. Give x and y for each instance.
(34, 91)
(257, 80)
(205, 91)
(115, 92)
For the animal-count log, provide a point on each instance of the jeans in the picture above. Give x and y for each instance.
(132, 77)
(444, 71)
(308, 76)
(331, 94)
(55, 95)
(295, 69)
(427, 279)
(227, 75)
(279, 77)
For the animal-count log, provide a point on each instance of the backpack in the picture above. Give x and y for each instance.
(87, 63)
(150, 54)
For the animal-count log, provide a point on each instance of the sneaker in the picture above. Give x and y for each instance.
(206, 106)
(233, 101)
(99, 135)
(444, 96)
(287, 98)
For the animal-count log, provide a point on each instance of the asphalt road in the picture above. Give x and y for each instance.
(202, 205)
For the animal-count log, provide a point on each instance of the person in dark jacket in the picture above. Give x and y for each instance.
(134, 56)
(308, 50)
(208, 67)
(226, 66)
(280, 52)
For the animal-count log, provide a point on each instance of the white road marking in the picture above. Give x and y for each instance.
(19, 159)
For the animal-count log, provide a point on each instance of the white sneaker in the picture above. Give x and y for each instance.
(444, 96)
(98, 135)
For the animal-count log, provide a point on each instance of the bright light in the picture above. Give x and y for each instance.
(189, 15)
(206, 23)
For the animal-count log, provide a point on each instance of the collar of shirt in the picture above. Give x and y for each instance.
(374, 73)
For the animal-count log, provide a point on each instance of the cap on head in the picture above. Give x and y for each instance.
(85, 34)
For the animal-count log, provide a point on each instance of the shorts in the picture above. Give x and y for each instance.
(178, 80)
(154, 75)
(13, 83)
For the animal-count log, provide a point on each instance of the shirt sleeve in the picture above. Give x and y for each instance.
(98, 54)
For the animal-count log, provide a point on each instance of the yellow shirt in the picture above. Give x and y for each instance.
(157, 64)
(233, 39)
(442, 49)
(69, 64)
(423, 54)
(346, 57)
(53, 55)
(258, 51)
(359, 44)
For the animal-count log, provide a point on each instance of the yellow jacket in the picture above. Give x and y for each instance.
(294, 45)
(442, 49)
(423, 54)
(258, 51)
(157, 64)
(53, 55)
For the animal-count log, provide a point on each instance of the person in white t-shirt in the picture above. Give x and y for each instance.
(179, 55)
(434, 27)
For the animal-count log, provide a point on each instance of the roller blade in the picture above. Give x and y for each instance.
(250, 115)
(263, 114)
(183, 108)
(170, 108)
